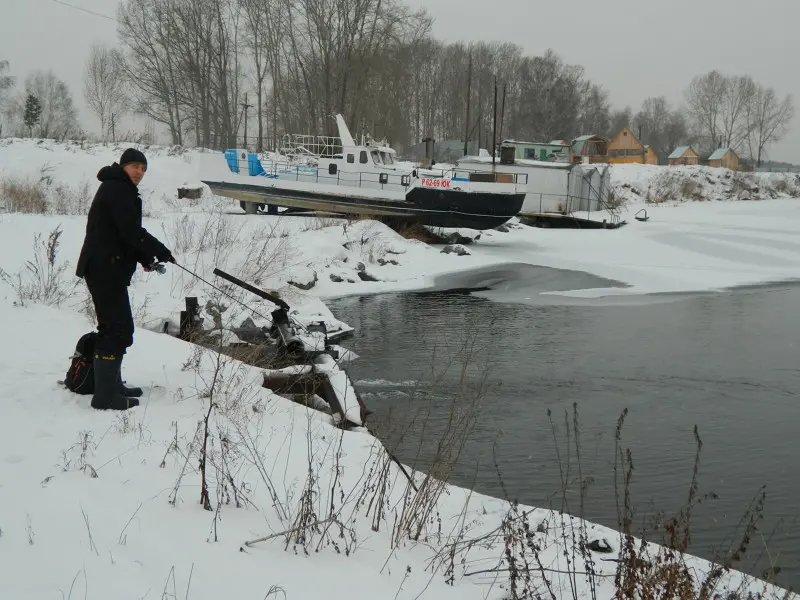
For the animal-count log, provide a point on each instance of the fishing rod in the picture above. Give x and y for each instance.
(160, 268)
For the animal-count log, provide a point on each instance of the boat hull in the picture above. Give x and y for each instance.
(428, 206)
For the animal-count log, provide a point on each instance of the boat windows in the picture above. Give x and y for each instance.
(351, 158)
(362, 158)
(387, 158)
(376, 158)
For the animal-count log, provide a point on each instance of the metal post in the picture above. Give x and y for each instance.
(494, 126)
(469, 91)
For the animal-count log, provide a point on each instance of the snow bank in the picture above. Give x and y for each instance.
(658, 184)
(72, 167)
(108, 506)
(101, 505)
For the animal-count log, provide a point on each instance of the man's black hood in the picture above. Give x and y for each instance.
(112, 172)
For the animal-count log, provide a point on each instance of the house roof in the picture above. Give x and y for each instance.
(579, 142)
(679, 151)
(719, 153)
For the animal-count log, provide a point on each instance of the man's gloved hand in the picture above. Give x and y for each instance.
(165, 256)
(158, 267)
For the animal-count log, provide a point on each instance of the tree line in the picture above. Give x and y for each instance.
(205, 71)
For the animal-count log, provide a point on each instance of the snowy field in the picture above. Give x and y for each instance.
(108, 506)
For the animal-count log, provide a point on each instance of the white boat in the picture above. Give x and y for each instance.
(340, 176)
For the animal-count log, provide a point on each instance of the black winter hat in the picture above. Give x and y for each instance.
(132, 155)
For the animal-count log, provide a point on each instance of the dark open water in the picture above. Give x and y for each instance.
(728, 363)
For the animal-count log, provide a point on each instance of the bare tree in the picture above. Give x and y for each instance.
(650, 121)
(183, 62)
(335, 51)
(619, 119)
(737, 97)
(58, 117)
(768, 120)
(263, 21)
(675, 132)
(549, 98)
(144, 30)
(595, 112)
(104, 87)
(705, 98)
(7, 83)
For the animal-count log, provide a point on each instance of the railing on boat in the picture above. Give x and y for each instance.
(253, 166)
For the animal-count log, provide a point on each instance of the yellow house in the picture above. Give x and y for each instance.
(683, 155)
(626, 148)
(724, 157)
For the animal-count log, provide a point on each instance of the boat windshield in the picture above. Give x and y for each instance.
(387, 158)
(376, 157)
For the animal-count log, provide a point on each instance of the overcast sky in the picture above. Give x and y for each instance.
(633, 48)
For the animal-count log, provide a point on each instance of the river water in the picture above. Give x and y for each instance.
(728, 363)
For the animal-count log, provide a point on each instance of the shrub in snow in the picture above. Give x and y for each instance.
(43, 279)
(44, 196)
(659, 184)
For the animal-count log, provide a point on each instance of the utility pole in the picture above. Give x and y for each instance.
(469, 88)
(494, 124)
(502, 114)
(245, 107)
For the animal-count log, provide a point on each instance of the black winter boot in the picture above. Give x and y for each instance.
(106, 384)
(130, 392)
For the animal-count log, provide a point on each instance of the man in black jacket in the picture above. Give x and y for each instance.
(115, 241)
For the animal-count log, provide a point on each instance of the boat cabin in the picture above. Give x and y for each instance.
(364, 158)
(379, 156)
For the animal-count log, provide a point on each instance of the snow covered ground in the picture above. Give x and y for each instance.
(107, 506)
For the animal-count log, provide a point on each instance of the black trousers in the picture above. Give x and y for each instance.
(114, 318)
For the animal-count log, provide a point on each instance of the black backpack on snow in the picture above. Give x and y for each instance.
(80, 376)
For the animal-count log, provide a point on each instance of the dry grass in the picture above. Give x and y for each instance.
(650, 564)
(42, 196)
(44, 278)
(674, 186)
(23, 196)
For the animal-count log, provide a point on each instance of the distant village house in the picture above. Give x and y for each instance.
(683, 155)
(589, 148)
(625, 148)
(725, 158)
(556, 150)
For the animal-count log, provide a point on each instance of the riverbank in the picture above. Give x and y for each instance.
(114, 501)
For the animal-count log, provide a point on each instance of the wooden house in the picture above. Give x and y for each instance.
(725, 158)
(538, 151)
(589, 148)
(626, 148)
(683, 155)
